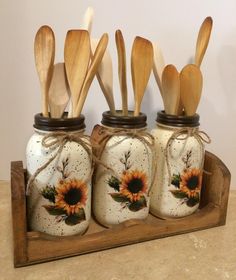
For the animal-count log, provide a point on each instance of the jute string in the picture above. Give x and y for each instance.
(57, 141)
(143, 136)
(183, 134)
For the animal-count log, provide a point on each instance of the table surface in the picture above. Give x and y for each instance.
(207, 254)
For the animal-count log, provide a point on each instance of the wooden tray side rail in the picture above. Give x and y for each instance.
(34, 247)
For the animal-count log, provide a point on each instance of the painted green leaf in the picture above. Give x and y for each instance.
(114, 183)
(53, 210)
(49, 193)
(119, 197)
(175, 180)
(138, 205)
(193, 201)
(178, 194)
(76, 218)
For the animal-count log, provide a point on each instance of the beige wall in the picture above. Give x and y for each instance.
(174, 24)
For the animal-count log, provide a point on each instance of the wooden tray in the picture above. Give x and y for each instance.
(32, 247)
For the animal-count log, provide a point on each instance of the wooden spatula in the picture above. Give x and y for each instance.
(44, 53)
(203, 40)
(190, 88)
(58, 91)
(96, 60)
(77, 56)
(120, 45)
(141, 66)
(105, 76)
(88, 19)
(171, 89)
(158, 65)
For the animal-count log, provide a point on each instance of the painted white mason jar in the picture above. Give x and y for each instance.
(122, 180)
(58, 160)
(180, 157)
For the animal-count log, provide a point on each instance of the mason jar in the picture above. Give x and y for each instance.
(59, 166)
(180, 156)
(123, 173)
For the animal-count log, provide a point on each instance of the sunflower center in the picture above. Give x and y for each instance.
(73, 196)
(135, 185)
(192, 182)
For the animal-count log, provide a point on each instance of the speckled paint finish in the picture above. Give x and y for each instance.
(69, 171)
(121, 152)
(185, 158)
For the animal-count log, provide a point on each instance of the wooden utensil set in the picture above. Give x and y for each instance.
(181, 92)
(86, 57)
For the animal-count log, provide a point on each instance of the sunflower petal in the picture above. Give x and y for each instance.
(138, 205)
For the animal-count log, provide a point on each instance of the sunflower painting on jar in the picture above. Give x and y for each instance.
(188, 183)
(68, 198)
(131, 187)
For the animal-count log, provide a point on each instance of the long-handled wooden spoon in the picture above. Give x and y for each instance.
(171, 89)
(88, 19)
(96, 60)
(158, 65)
(58, 91)
(190, 88)
(141, 66)
(44, 53)
(203, 40)
(120, 44)
(77, 56)
(105, 76)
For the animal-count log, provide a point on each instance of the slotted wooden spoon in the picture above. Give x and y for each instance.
(203, 40)
(120, 45)
(190, 88)
(171, 89)
(96, 60)
(77, 56)
(44, 53)
(141, 66)
(58, 91)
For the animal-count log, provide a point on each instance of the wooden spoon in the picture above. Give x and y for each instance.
(58, 91)
(105, 76)
(120, 44)
(88, 19)
(96, 60)
(158, 65)
(141, 66)
(203, 40)
(190, 88)
(44, 53)
(77, 56)
(171, 89)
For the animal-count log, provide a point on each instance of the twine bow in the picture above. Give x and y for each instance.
(201, 137)
(57, 140)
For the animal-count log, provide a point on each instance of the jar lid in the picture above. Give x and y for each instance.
(55, 124)
(120, 121)
(178, 121)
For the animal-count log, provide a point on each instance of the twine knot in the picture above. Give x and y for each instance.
(183, 134)
(57, 141)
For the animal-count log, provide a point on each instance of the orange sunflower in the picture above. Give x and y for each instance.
(71, 195)
(191, 182)
(133, 184)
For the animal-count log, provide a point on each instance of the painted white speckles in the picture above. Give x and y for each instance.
(163, 203)
(121, 152)
(78, 168)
